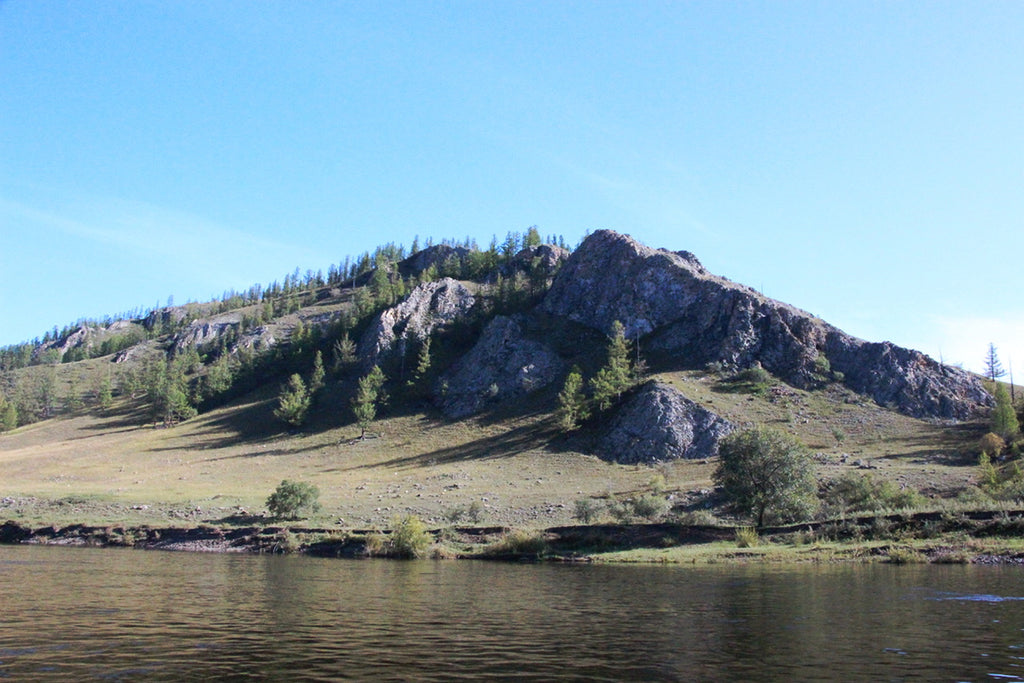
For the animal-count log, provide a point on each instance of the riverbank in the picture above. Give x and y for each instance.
(980, 537)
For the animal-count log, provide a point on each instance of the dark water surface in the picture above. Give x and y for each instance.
(86, 614)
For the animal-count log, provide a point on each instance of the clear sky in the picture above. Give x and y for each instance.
(861, 160)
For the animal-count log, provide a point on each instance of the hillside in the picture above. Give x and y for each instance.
(173, 416)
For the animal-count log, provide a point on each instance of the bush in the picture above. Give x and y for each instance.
(753, 380)
(746, 537)
(519, 543)
(586, 510)
(993, 444)
(292, 498)
(409, 537)
(650, 507)
(863, 493)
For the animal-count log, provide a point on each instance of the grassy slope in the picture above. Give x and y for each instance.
(100, 470)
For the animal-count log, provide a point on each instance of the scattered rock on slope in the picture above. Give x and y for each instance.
(658, 423)
(503, 365)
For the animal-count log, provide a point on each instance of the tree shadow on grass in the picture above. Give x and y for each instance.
(504, 445)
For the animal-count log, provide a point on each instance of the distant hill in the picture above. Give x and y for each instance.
(466, 336)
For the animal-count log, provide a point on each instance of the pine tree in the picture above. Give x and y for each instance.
(8, 414)
(572, 404)
(1003, 418)
(420, 377)
(616, 376)
(105, 394)
(73, 401)
(316, 377)
(532, 237)
(369, 394)
(219, 377)
(993, 368)
(293, 402)
(344, 352)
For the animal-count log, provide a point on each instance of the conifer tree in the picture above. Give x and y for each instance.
(1003, 419)
(344, 352)
(104, 394)
(572, 403)
(368, 395)
(73, 401)
(316, 377)
(420, 376)
(293, 402)
(993, 368)
(617, 374)
(8, 414)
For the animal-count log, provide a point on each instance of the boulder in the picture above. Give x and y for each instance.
(503, 365)
(683, 311)
(657, 423)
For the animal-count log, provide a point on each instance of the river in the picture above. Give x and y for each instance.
(128, 615)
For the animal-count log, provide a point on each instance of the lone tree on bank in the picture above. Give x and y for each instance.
(766, 472)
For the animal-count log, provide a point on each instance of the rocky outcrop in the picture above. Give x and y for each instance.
(545, 258)
(688, 313)
(428, 306)
(201, 332)
(657, 423)
(502, 366)
(441, 257)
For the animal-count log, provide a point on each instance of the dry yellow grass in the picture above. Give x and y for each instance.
(115, 470)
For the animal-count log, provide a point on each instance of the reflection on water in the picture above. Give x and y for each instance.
(85, 614)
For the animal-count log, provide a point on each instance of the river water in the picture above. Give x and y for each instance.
(124, 615)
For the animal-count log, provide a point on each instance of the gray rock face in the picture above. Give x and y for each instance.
(547, 257)
(503, 365)
(428, 306)
(438, 256)
(657, 424)
(208, 330)
(699, 317)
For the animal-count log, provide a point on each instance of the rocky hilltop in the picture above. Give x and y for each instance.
(505, 329)
(680, 310)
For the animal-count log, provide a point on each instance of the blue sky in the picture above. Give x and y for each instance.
(861, 160)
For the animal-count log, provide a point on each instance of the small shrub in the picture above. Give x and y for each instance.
(475, 512)
(863, 493)
(657, 484)
(698, 518)
(518, 543)
(409, 537)
(621, 512)
(881, 528)
(993, 444)
(753, 380)
(376, 544)
(905, 556)
(454, 515)
(285, 542)
(292, 498)
(585, 510)
(650, 507)
(746, 537)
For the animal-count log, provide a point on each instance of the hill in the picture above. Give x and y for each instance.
(176, 414)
